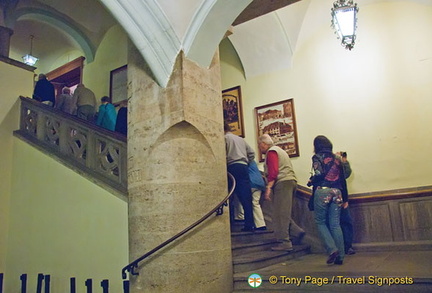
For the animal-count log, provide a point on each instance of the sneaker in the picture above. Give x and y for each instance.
(263, 228)
(350, 251)
(338, 261)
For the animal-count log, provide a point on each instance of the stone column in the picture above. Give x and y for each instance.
(5, 35)
(177, 174)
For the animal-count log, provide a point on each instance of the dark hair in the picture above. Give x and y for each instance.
(322, 143)
(105, 99)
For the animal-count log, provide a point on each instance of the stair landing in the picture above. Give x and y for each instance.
(371, 267)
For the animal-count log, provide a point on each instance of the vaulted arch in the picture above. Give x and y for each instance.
(58, 22)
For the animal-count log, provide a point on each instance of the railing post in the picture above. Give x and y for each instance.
(89, 285)
(105, 286)
(63, 137)
(23, 117)
(23, 279)
(123, 166)
(1, 283)
(126, 286)
(72, 285)
(39, 283)
(91, 158)
(47, 283)
(40, 126)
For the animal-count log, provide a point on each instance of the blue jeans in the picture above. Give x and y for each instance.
(327, 206)
(243, 191)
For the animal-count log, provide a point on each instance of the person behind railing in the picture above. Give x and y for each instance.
(121, 123)
(44, 91)
(282, 182)
(66, 102)
(238, 156)
(107, 114)
(86, 102)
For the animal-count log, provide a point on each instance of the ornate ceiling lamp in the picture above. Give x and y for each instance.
(29, 59)
(344, 21)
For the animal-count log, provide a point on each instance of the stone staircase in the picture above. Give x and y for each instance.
(307, 272)
(252, 253)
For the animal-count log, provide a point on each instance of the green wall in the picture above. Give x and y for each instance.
(14, 82)
(63, 225)
(52, 220)
(111, 54)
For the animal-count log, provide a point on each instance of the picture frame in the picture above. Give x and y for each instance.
(278, 120)
(118, 85)
(232, 110)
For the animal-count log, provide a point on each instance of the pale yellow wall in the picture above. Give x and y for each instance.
(62, 225)
(373, 102)
(14, 82)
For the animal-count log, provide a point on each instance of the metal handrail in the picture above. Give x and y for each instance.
(218, 210)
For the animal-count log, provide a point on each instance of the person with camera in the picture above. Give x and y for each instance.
(330, 194)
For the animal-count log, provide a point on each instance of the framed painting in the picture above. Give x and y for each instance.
(232, 110)
(278, 121)
(118, 85)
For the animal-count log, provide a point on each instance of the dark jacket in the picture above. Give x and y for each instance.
(44, 91)
(329, 172)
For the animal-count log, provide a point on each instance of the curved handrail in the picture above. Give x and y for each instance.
(218, 210)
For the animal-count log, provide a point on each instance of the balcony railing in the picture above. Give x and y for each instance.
(94, 152)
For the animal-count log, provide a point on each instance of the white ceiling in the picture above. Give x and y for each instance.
(263, 44)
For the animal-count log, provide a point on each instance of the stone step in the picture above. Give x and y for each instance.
(238, 237)
(239, 249)
(250, 261)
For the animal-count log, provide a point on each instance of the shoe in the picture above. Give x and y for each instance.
(332, 257)
(263, 228)
(338, 262)
(247, 229)
(282, 248)
(298, 240)
(350, 251)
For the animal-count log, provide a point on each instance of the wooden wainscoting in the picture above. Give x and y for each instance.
(387, 220)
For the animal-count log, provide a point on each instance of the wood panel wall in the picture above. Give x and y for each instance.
(394, 219)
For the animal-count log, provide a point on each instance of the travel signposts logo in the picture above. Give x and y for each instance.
(254, 280)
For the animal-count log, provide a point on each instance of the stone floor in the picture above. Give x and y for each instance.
(373, 269)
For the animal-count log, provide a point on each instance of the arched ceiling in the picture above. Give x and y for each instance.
(265, 32)
(58, 27)
(159, 28)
